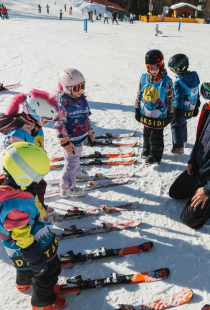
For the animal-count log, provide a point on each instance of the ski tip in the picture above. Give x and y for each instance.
(135, 205)
(138, 222)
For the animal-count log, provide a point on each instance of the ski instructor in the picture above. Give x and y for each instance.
(194, 183)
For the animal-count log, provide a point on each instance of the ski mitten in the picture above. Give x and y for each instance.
(137, 114)
(178, 115)
(91, 137)
(196, 111)
(67, 145)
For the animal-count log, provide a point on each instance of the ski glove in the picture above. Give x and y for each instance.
(67, 145)
(33, 255)
(169, 118)
(196, 111)
(178, 115)
(137, 114)
(91, 138)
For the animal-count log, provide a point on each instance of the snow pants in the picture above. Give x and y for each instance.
(183, 187)
(42, 287)
(70, 169)
(179, 133)
(106, 19)
(153, 142)
(114, 20)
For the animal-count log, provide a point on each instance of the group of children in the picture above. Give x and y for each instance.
(159, 102)
(25, 229)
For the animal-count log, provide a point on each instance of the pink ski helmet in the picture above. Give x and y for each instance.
(71, 77)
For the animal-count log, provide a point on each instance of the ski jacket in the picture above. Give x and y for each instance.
(186, 90)
(4, 11)
(154, 99)
(106, 15)
(72, 119)
(200, 155)
(24, 222)
(21, 128)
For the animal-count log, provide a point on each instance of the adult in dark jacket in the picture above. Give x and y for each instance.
(114, 17)
(194, 183)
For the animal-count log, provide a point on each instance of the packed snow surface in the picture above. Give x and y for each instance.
(34, 49)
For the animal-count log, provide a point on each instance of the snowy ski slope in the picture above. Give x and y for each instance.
(34, 49)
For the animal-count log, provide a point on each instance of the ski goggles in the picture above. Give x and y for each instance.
(153, 67)
(78, 87)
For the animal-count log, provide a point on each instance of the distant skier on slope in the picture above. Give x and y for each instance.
(61, 14)
(39, 7)
(114, 17)
(73, 132)
(47, 8)
(153, 106)
(26, 126)
(26, 230)
(194, 183)
(106, 17)
(65, 7)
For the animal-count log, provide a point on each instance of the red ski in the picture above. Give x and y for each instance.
(76, 284)
(110, 143)
(69, 258)
(111, 136)
(12, 85)
(174, 300)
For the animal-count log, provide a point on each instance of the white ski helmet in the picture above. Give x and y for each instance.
(40, 106)
(71, 77)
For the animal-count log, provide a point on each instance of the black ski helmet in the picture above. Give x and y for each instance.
(178, 62)
(205, 90)
(154, 57)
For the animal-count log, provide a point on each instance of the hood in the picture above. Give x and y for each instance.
(8, 192)
(191, 79)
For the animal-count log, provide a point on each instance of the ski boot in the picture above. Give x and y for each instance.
(60, 303)
(73, 192)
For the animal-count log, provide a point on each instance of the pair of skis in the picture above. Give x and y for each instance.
(108, 136)
(9, 86)
(94, 182)
(75, 213)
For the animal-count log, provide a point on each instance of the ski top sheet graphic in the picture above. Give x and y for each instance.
(77, 284)
(167, 302)
(99, 162)
(98, 155)
(109, 142)
(76, 213)
(97, 176)
(69, 258)
(73, 231)
(111, 136)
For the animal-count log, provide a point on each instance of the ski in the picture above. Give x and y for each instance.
(111, 136)
(76, 284)
(97, 176)
(90, 185)
(75, 213)
(99, 162)
(12, 85)
(69, 258)
(98, 155)
(109, 142)
(73, 231)
(174, 300)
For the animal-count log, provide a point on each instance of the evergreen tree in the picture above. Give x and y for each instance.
(138, 7)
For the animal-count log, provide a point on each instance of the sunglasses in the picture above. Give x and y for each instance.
(78, 87)
(153, 67)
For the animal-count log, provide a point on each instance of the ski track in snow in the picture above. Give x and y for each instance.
(34, 49)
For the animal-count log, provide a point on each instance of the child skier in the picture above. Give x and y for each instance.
(186, 102)
(73, 129)
(153, 106)
(25, 229)
(61, 14)
(47, 8)
(37, 110)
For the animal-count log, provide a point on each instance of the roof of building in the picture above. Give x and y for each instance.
(182, 4)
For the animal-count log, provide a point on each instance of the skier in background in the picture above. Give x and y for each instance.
(95, 11)
(186, 102)
(26, 126)
(39, 7)
(106, 16)
(153, 106)
(47, 8)
(73, 128)
(114, 17)
(194, 183)
(65, 7)
(61, 14)
(131, 18)
(26, 230)
(99, 16)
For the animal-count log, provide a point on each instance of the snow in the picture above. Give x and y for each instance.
(34, 49)
(182, 4)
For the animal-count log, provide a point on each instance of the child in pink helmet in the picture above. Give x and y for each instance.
(73, 129)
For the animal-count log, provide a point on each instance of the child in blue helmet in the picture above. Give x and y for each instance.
(186, 101)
